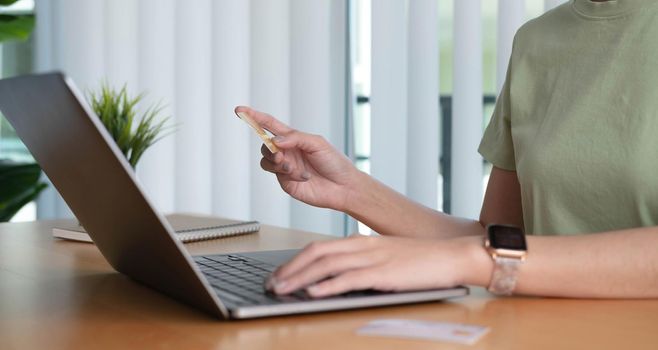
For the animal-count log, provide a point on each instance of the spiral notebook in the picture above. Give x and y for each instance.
(187, 228)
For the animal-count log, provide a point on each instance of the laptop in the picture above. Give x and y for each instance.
(79, 156)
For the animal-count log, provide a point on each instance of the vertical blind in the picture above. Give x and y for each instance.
(231, 168)
(388, 97)
(511, 15)
(550, 4)
(155, 64)
(404, 98)
(405, 92)
(200, 58)
(423, 108)
(466, 191)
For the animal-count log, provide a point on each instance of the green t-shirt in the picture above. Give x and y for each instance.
(577, 118)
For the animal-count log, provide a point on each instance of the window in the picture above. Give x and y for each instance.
(361, 75)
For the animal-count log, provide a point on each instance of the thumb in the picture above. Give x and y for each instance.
(305, 142)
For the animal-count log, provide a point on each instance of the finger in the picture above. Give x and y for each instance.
(276, 158)
(265, 120)
(306, 142)
(327, 266)
(268, 165)
(288, 183)
(359, 279)
(314, 251)
(290, 178)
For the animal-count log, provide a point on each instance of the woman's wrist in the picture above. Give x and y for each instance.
(356, 193)
(475, 264)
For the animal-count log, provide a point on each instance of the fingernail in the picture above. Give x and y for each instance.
(285, 167)
(278, 139)
(306, 175)
(280, 286)
(269, 283)
(313, 290)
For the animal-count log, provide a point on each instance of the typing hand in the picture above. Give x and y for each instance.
(384, 264)
(307, 167)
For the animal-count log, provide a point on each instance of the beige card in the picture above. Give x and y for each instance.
(261, 133)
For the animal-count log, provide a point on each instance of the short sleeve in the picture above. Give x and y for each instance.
(496, 145)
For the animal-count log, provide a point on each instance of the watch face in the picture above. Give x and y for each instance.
(506, 237)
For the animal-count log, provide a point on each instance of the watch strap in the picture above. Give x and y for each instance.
(503, 278)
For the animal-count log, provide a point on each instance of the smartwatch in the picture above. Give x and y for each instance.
(507, 247)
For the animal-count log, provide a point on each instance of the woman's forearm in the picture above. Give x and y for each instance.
(390, 213)
(619, 264)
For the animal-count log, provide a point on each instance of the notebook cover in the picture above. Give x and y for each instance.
(188, 228)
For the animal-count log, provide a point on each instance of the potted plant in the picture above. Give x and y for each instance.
(118, 112)
(19, 182)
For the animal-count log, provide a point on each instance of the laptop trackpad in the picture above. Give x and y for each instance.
(273, 257)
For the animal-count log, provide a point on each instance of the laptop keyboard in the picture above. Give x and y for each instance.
(240, 280)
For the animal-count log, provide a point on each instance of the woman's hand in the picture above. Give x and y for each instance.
(307, 166)
(383, 263)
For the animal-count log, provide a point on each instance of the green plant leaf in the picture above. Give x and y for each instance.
(7, 2)
(16, 27)
(133, 134)
(19, 185)
(11, 208)
(15, 178)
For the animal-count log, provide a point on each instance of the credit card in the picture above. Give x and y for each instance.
(267, 140)
(428, 330)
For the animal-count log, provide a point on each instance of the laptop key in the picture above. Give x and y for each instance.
(239, 277)
(227, 296)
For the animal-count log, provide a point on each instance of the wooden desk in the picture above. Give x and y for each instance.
(62, 295)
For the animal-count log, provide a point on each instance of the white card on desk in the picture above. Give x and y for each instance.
(429, 330)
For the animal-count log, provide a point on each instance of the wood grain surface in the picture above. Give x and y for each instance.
(56, 294)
